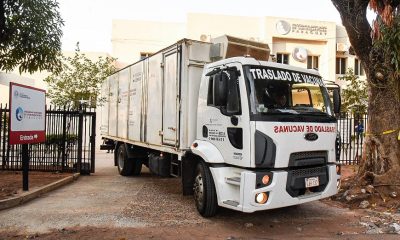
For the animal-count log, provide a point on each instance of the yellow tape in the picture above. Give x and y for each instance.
(383, 133)
(388, 132)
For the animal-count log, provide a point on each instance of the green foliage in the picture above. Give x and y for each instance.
(80, 79)
(354, 96)
(30, 35)
(389, 43)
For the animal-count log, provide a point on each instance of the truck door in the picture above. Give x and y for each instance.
(170, 99)
(122, 105)
(113, 110)
(223, 114)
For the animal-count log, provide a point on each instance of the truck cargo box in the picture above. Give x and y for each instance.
(153, 102)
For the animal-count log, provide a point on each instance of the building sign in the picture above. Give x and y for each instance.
(284, 28)
(309, 29)
(27, 114)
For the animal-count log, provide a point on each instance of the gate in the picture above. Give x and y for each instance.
(352, 132)
(69, 147)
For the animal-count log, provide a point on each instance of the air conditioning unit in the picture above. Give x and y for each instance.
(341, 47)
(300, 54)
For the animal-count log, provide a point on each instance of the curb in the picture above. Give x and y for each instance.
(25, 197)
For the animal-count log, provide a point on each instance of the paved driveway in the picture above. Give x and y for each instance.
(95, 200)
(105, 200)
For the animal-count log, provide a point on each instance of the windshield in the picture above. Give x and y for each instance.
(281, 91)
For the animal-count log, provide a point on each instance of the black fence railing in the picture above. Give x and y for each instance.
(69, 147)
(352, 133)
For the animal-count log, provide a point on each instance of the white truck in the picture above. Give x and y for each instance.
(240, 131)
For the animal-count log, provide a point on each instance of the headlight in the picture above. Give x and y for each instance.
(261, 198)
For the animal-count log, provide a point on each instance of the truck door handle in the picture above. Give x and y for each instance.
(172, 129)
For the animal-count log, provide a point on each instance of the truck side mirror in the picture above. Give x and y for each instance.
(233, 104)
(336, 101)
(220, 89)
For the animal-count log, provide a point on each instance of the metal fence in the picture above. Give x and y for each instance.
(352, 132)
(69, 147)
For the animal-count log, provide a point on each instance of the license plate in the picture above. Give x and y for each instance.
(312, 182)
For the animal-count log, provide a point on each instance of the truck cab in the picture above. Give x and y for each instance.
(267, 134)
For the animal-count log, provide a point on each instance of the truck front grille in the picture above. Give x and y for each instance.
(308, 171)
(312, 158)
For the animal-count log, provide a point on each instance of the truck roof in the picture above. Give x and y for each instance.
(181, 41)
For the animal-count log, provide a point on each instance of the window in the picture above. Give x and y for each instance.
(282, 58)
(358, 68)
(301, 97)
(210, 94)
(312, 62)
(341, 65)
(144, 55)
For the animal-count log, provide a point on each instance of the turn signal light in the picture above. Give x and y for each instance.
(261, 198)
(265, 180)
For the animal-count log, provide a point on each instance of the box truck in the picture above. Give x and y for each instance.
(240, 131)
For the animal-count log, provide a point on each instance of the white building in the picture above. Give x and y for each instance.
(303, 43)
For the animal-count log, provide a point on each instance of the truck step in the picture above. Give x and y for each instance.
(175, 168)
(233, 180)
(231, 202)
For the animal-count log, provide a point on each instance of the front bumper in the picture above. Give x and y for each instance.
(240, 195)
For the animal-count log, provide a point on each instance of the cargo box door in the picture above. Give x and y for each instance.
(113, 97)
(170, 99)
(104, 107)
(123, 95)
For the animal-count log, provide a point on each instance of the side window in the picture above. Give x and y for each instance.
(223, 91)
(210, 96)
(233, 106)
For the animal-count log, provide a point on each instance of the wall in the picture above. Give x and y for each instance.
(130, 38)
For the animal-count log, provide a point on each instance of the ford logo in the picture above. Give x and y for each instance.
(311, 136)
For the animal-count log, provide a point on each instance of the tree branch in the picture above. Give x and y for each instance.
(354, 19)
(2, 20)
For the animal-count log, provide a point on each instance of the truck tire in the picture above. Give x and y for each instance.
(204, 191)
(125, 166)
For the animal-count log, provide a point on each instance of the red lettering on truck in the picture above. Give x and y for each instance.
(302, 128)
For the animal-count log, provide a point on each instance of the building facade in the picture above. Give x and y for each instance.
(303, 43)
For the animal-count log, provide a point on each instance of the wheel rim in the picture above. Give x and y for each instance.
(198, 190)
(121, 160)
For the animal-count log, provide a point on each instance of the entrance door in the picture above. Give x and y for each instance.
(170, 100)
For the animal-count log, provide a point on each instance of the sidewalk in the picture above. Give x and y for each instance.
(11, 193)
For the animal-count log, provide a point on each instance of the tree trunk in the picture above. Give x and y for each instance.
(381, 160)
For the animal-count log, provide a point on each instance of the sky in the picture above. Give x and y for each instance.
(89, 21)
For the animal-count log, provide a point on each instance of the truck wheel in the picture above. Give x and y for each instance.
(125, 166)
(204, 191)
